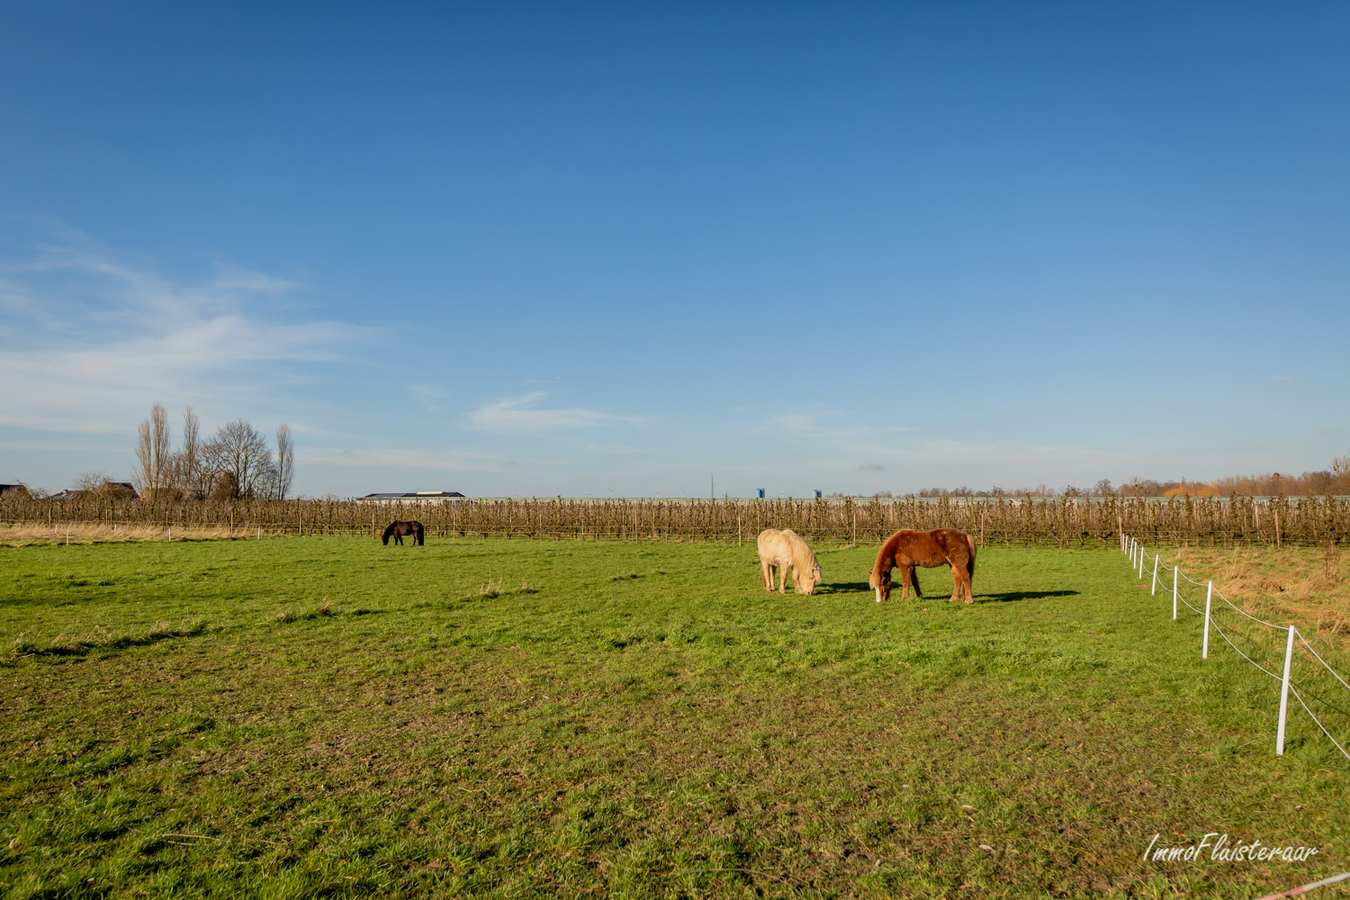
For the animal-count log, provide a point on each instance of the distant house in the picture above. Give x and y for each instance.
(410, 497)
(122, 490)
(6, 488)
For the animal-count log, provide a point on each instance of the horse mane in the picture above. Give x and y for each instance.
(803, 559)
(887, 549)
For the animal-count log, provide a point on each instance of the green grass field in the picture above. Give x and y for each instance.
(329, 717)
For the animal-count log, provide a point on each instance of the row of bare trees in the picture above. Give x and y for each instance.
(235, 463)
(1334, 481)
(1062, 522)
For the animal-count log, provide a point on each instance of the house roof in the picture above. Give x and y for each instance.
(76, 493)
(413, 495)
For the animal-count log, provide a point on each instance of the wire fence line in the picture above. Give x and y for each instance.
(1311, 665)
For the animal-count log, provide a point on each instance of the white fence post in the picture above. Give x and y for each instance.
(1141, 562)
(1284, 693)
(1176, 573)
(1209, 595)
(1154, 592)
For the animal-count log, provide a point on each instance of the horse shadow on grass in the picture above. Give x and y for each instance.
(862, 587)
(1015, 596)
(852, 587)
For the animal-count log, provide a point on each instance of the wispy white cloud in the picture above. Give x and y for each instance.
(519, 415)
(234, 280)
(89, 340)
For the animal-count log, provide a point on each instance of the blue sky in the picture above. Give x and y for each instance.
(521, 249)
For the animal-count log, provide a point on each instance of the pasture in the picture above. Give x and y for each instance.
(329, 717)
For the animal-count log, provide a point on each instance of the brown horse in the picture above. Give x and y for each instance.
(906, 549)
(399, 529)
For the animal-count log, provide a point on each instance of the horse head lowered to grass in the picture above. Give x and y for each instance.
(781, 549)
(399, 529)
(906, 549)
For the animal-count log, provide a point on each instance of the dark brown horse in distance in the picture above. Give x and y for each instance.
(906, 549)
(399, 529)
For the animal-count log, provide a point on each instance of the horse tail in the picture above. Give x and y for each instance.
(970, 566)
(420, 535)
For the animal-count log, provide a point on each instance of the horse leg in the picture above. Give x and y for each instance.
(782, 578)
(765, 575)
(398, 539)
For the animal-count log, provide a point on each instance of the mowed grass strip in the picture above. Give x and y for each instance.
(329, 717)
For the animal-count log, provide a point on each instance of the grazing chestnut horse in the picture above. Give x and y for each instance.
(906, 549)
(781, 549)
(399, 529)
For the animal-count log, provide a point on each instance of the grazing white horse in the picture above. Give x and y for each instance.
(781, 549)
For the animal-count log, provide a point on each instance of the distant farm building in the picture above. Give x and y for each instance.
(410, 497)
(121, 490)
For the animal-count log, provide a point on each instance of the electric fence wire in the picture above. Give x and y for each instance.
(1292, 687)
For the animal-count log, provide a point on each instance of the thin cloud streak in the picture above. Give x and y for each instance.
(403, 458)
(821, 424)
(517, 416)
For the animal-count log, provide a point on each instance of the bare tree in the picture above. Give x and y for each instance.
(152, 452)
(91, 482)
(239, 456)
(285, 460)
(1340, 475)
(188, 461)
